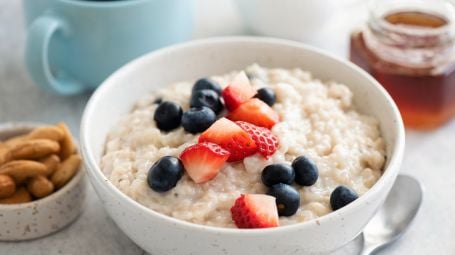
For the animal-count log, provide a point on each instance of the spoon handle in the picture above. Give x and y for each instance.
(367, 250)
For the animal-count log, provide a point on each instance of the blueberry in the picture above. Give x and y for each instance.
(206, 83)
(168, 116)
(207, 98)
(165, 174)
(287, 198)
(306, 171)
(341, 197)
(277, 173)
(267, 95)
(198, 119)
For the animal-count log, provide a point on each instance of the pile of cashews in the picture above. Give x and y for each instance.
(34, 165)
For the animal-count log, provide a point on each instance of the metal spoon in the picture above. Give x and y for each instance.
(395, 216)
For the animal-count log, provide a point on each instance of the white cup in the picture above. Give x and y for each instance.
(322, 23)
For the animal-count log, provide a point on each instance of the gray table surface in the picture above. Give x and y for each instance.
(429, 156)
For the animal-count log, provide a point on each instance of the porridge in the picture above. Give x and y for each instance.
(310, 120)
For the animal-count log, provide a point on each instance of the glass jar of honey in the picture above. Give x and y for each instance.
(409, 47)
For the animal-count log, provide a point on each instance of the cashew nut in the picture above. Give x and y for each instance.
(66, 144)
(66, 171)
(20, 170)
(21, 196)
(34, 149)
(7, 186)
(51, 162)
(40, 186)
(47, 132)
(5, 154)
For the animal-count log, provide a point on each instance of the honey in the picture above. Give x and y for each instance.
(412, 54)
(415, 18)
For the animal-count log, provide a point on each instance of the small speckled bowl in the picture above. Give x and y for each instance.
(44, 216)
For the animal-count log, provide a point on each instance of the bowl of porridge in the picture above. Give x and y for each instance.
(241, 146)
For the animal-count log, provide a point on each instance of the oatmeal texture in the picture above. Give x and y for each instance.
(317, 120)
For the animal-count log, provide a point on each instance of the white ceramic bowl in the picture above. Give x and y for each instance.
(160, 234)
(41, 217)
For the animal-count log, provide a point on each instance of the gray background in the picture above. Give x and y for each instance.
(429, 156)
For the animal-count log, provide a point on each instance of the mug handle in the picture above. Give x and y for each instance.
(39, 36)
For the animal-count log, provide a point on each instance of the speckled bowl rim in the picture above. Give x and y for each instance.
(11, 126)
(389, 173)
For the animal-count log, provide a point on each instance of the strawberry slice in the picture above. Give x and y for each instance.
(255, 211)
(231, 137)
(238, 91)
(255, 112)
(203, 161)
(265, 140)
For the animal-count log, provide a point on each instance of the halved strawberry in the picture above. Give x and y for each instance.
(265, 140)
(255, 211)
(231, 137)
(203, 161)
(255, 112)
(238, 91)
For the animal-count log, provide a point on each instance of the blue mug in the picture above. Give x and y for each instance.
(73, 45)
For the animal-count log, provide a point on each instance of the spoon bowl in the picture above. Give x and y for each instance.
(395, 216)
